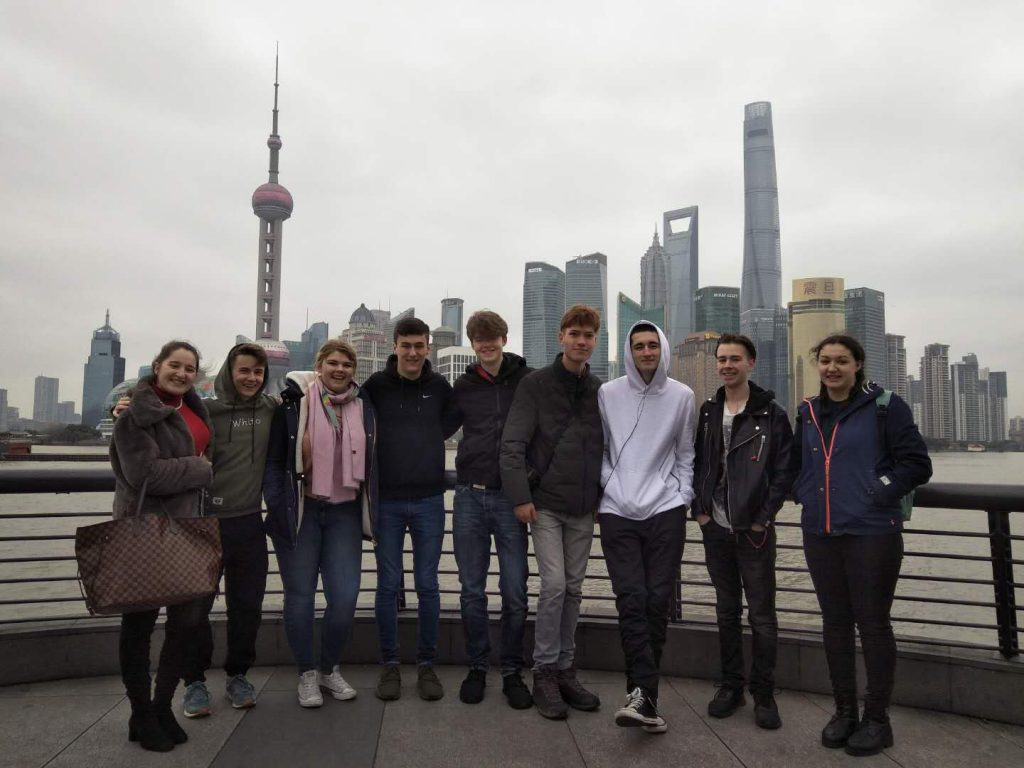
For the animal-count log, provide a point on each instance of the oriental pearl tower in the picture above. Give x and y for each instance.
(272, 203)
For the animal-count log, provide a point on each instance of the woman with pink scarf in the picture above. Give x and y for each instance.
(320, 487)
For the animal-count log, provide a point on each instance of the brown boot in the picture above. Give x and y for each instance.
(546, 696)
(575, 695)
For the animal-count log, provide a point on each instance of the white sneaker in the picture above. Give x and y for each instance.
(309, 690)
(336, 684)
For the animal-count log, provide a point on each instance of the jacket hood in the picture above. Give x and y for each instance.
(636, 381)
(509, 365)
(224, 384)
(758, 398)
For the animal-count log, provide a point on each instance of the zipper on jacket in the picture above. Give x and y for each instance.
(828, 463)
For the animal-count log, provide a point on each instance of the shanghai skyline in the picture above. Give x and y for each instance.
(129, 187)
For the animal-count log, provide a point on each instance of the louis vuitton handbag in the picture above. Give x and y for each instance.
(147, 561)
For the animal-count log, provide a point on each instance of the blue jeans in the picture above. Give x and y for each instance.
(479, 514)
(330, 543)
(424, 518)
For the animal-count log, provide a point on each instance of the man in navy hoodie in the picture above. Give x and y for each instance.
(414, 417)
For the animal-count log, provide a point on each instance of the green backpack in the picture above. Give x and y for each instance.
(882, 405)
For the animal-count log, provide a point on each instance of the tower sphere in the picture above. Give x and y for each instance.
(272, 202)
(274, 142)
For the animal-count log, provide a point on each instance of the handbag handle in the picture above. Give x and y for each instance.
(142, 497)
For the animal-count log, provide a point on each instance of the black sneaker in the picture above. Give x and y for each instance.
(515, 690)
(546, 695)
(766, 712)
(870, 738)
(472, 690)
(574, 694)
(640, 710)
(726, 701)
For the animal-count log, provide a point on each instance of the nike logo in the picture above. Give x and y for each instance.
(425, 396)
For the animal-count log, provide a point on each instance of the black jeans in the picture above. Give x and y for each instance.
(136, 632)
(740, 564)
(643, 562)
(244, 566)
(855, 580)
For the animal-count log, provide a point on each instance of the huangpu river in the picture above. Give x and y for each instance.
(996, 468)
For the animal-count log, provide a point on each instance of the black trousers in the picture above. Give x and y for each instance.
(643, 562)
(136, 632)
(744, 563)
(244, 546)
(855, 580)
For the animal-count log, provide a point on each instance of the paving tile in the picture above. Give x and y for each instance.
(1012, 733)
(106, 743)
(35, 728)
(798, 742)
(687, 742)
(451, 734)
(278, 732)
(925, 738)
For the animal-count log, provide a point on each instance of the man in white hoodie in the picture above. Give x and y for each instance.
(647, 476)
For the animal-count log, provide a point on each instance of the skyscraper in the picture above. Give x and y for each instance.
(936, 397)
(915, 396)
(653, 276)
(273, 204)
(762, 316)
(44, 404)
(717, 308)
(442, 337)
(997, 406)
(543, 307)
(681, 260)
(586, 282)
(627, 313)
(969, 401)
(896, 365)
(865, 321)
(3, 411)
(451, 317)
(66, 412)
(104, 370)
(762, 250)
(696, 364)
(369, 340)
(816, 311)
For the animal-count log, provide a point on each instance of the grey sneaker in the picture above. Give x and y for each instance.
(336, 685)
(427, 684)
(389, 686)
(240, 692)
(309, 689)
(197, 700)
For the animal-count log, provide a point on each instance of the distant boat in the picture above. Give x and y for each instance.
(975, 448)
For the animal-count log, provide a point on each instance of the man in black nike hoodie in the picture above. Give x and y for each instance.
(414, 417)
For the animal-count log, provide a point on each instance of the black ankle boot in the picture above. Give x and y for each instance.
(873, 734)
(842, 725)
(144, 728)
(170, 726)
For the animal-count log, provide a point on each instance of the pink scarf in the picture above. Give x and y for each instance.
(337, 446)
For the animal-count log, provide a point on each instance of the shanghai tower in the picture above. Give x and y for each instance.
(762, 253)
(762, 316)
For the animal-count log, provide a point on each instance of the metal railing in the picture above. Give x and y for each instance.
(972, 605)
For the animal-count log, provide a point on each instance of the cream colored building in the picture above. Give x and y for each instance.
(816, 311)
(694, 364)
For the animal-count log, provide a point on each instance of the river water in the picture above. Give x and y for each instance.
(998, 468)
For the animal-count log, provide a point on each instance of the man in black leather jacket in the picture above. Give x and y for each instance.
(741, 478)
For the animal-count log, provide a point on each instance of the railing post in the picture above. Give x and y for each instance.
(1002, 577)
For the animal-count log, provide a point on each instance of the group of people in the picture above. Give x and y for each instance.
(545, 454)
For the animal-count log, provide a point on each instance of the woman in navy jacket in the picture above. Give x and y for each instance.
(854, 459)
(320, 487)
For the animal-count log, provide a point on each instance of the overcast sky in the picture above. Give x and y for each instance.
(433, 148)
